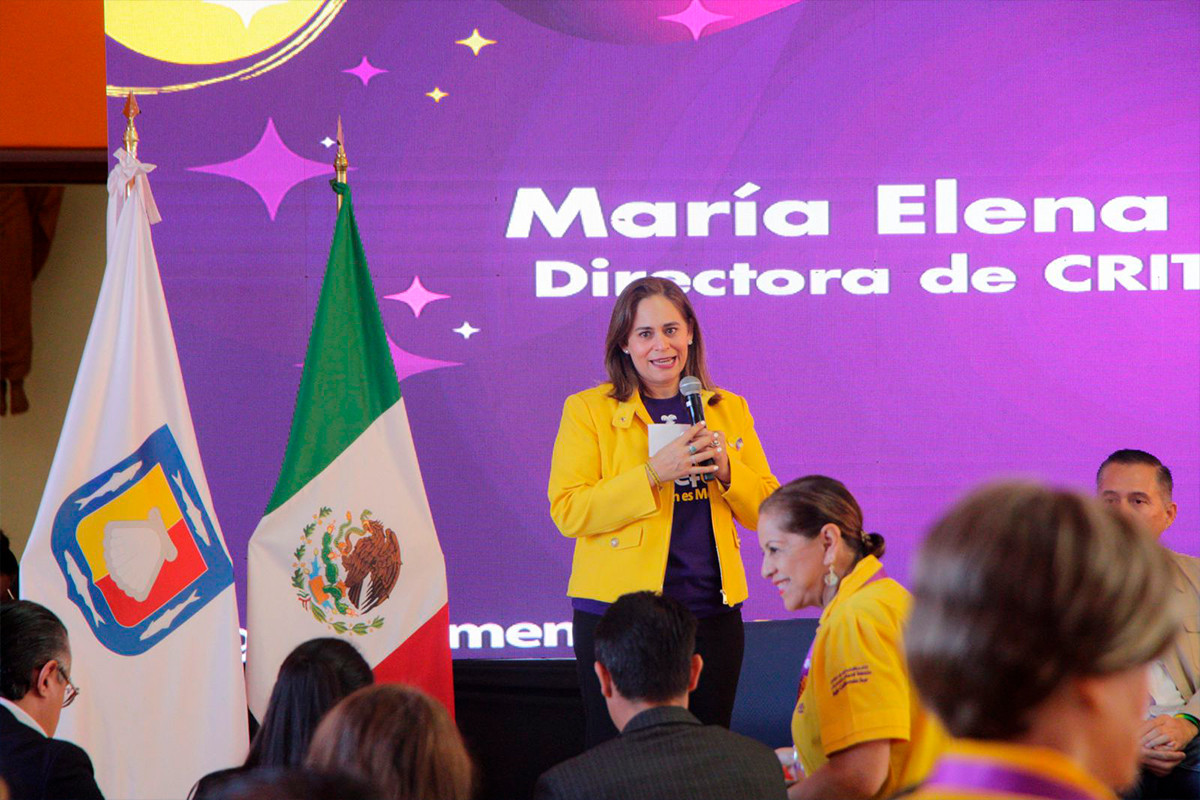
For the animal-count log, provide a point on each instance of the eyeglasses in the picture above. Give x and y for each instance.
(72, 690)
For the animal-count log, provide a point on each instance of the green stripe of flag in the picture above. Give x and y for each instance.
(349, 378)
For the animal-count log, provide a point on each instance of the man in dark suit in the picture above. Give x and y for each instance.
(35, 686)
(647, 665)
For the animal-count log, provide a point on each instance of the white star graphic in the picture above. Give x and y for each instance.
(327, 142)
(466, 330)
(246, 9)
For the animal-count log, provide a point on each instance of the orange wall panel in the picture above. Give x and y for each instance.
(52, 74)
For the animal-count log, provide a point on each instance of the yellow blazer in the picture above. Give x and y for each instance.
(600, 495)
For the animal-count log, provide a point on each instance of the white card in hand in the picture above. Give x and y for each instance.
(663, 433)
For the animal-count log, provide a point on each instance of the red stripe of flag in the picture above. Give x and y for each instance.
(423, 660)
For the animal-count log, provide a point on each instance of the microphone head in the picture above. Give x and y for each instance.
(690, 385)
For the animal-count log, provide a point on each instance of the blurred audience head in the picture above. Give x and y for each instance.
(646, 648)
(281, 783)
(399, 740)
(1035, 615)
(1138, 484)
(808, 529)
(9, 572)
(312, 679)
(35, 662)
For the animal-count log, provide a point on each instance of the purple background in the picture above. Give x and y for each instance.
(908, 397)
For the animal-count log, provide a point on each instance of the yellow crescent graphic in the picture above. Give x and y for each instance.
(215, 32)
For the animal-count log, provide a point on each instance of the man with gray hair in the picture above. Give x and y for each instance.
(35, 686)
(1140, 485)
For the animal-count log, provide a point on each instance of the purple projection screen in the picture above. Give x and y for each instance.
(931, 243)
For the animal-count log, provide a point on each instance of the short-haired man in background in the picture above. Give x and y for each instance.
(647, 664)
(35, 686)
(1139, 484)
(10, 569)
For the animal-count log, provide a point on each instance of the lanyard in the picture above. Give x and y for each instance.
(955, 773)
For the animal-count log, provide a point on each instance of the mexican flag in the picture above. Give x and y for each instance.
(347, 546)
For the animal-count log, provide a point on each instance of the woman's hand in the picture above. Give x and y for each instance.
(681, 458)
(713, 443)
(720, 455)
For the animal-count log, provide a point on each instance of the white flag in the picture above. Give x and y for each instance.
(126, 549)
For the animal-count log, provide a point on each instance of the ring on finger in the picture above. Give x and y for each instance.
(692, 449)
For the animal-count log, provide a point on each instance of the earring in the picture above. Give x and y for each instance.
(689, 342)
(626, 352)
(831, 579)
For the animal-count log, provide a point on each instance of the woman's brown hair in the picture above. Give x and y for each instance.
(807, 504)
(621, 372)
(399, 740)
(1020, 587)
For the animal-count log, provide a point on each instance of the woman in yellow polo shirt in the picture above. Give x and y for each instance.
(858, 728)
(643, 522)
(1036, 615)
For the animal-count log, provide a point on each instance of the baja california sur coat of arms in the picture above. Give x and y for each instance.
(343, 571)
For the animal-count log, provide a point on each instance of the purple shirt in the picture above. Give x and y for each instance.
(693, 572)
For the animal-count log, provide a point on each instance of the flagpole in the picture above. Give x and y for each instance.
(130, 139)
(131, 136)
(341, 165)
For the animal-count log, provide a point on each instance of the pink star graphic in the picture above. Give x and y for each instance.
(416, 296)
(271, 169)
(409, 364)
(365, 71)
(696, 18)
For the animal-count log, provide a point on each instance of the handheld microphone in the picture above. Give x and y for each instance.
(690, 387)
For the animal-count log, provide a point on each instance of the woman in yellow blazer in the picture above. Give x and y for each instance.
(859, 729)
(654, 522)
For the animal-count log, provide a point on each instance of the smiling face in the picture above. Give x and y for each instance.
(794, 563)
(1134, 489)
(658, 345)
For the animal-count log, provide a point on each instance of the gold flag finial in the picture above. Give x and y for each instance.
(131, 138)
(341, 164)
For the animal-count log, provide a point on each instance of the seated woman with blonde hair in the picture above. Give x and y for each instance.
(397, 739)
(1036, 614)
